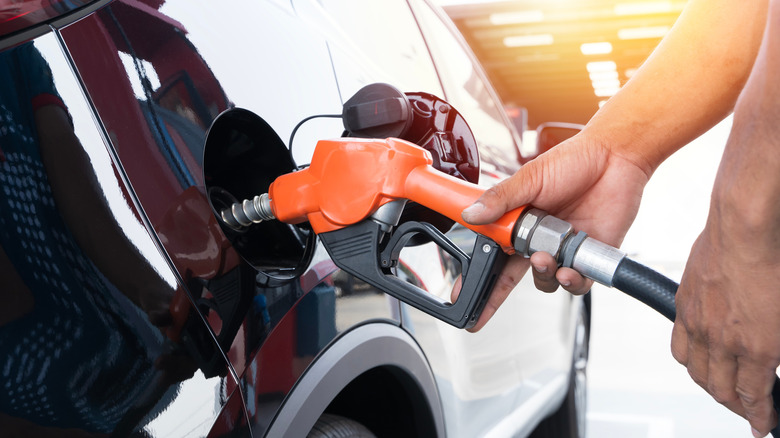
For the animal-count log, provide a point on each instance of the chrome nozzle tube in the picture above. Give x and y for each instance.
(597, 261)
(248, 212)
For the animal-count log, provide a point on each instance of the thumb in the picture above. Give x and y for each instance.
(507, 195)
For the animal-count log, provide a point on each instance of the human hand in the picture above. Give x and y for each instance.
(580, 181)
(727, 331)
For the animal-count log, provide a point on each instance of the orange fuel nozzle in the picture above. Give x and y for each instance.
(349, 179)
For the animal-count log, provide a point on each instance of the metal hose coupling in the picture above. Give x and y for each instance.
(247, 212)
(538, 231)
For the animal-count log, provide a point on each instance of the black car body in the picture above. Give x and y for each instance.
(129, 310)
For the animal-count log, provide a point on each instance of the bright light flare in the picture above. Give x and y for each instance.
(606, 92)
(516, 17)
(544, 39)
(601, 66)
(643, 8)
(604, 84)
(600, 48)
(603, 75)
(638, 33)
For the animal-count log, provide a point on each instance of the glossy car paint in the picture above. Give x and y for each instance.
(142, 82)
(80, 352)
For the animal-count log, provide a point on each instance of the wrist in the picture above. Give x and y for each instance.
(613, 137)
(643, 137)
(745, 218)
(747, 187)
(745, 213)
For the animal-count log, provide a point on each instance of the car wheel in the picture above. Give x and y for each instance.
(569, 421)
(334, 426)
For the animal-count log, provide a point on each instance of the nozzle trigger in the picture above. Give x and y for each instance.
(358, 250)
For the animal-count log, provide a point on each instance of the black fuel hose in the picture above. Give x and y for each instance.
(658, 291)
(647, 286)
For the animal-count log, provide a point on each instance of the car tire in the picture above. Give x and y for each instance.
(569, 421)
(334, 426)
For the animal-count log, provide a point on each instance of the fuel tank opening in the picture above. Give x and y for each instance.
(380, 110)
(243, 156)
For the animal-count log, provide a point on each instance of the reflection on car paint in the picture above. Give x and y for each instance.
(82, 328)
(156, 97)
(61, 290)
(163, 159)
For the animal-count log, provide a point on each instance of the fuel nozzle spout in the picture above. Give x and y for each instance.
(250, 211)
(538, 231)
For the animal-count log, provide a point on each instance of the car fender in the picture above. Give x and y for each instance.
(361, 349)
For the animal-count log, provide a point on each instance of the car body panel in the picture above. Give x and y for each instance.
(293, 321)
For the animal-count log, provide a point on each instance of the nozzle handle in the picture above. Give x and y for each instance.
(359, 250)
(448, 195)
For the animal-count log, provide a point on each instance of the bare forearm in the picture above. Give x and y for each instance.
(727, 329)
(688, 84)
(747, 187)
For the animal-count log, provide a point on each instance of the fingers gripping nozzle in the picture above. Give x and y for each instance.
(248, 212)
(537, 231)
